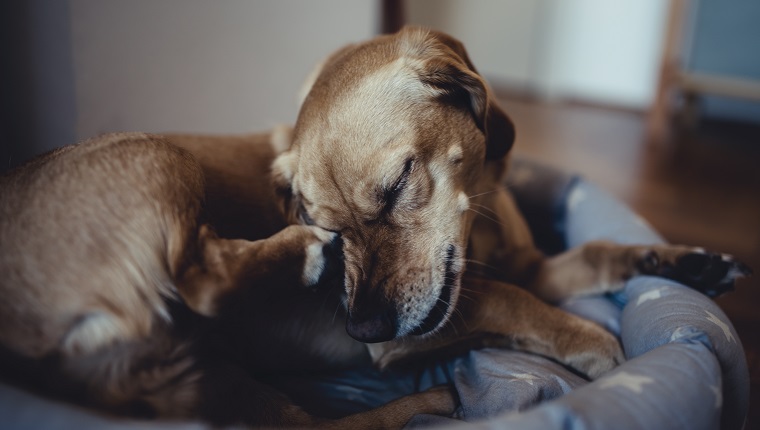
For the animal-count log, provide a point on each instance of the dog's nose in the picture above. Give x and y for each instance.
(372, 328)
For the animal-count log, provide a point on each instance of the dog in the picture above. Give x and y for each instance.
(155, 274)
(401, 149)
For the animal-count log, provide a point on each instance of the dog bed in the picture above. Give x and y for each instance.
(686, 367)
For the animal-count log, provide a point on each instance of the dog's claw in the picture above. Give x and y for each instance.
(649, 262)
(710, 273)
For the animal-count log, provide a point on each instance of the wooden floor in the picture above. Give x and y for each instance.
(700, 188)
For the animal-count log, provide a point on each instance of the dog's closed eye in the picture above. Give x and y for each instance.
(303, 215)
(390, 195)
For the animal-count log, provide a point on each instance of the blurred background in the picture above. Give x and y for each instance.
(657, 101)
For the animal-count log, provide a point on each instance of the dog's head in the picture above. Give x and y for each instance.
(388, 150)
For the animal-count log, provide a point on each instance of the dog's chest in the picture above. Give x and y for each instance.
(297, 330)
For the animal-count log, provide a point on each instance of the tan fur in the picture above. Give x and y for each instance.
(137, 262)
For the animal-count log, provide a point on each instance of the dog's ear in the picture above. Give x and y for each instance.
(447, 67)
(283, 170)
(308, 83)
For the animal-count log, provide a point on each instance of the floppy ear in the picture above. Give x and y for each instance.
(283, 170)
(308, 83)
(450, 70)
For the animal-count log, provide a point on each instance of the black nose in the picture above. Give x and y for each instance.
(372, 328)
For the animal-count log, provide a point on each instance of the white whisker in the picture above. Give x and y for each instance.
(488, 217)
(468, 290)
(463, 319)
(335, 314)
(482, 194)
(486, 208)
(480, 263)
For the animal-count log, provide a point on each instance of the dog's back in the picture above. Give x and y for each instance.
(85, 266)
(99, 262)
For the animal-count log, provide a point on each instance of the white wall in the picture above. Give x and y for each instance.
(37, 102)
(202, 66)
(500, 35)
(605, 51)
(595, 50)
(76, 68)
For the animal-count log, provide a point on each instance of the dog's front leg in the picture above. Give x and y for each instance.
(601, 267)
(501, 246)
(295, 256)
(495, 314)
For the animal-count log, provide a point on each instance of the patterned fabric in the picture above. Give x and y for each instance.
(685, 370)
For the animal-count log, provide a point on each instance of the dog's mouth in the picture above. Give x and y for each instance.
(440, 311)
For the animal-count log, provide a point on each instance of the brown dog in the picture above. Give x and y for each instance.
(106, 246)
(401, 149)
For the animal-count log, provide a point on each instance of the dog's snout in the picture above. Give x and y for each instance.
(373, 327)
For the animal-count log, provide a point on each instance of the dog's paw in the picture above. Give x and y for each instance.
(710, 273)
(323, 260)
(598, 351)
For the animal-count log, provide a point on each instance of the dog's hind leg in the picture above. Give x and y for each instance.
(601, 267)
(394, 415)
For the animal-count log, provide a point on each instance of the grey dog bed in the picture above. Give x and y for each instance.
(686, 367)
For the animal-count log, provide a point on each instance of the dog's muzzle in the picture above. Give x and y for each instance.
(440, 311)
(377, 320)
